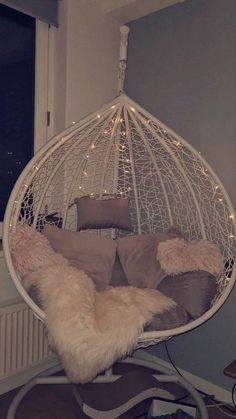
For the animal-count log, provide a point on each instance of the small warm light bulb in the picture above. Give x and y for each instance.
(123, 133)
(85, 173)
(105, 132)
(128, 160)
(87, 156)
(129, 188)
(231, 216)
(148, 121)
(164, 130)
(105, 191)
(73, 122)
(80, 187)
(93, 146)
(178, 143)
(98, 116)
(220, 199)
(121, 120)
(113, 107)
(132, 109)
(26, 186)
(216, 187)
(232, 236)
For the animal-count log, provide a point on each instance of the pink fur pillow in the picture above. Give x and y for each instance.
(178, 255)
(31, 251)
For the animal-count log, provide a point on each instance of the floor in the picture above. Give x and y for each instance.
(58, 401)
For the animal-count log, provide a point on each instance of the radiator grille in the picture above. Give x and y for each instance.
(23, 342)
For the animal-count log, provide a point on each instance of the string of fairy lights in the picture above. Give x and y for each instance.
(122, 148)
(125, 160)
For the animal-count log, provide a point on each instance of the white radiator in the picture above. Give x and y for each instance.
(23, 343)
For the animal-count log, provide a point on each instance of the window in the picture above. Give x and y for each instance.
(17, 62)
(24, 94)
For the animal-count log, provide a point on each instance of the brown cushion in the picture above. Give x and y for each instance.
(93, 254)
(194, 291)
(103, 213)
(138, 258)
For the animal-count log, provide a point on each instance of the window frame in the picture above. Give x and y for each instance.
(44, 83)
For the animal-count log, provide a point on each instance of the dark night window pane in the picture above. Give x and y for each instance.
(17, 63)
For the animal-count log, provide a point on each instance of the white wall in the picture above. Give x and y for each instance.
(8, 291)
(181, 68)
(86, 60)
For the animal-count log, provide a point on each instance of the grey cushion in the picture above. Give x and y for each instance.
(93, 254)
(194, 291)
(171, 319)
(103, 213)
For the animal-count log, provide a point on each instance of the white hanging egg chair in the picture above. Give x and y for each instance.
(123, 150)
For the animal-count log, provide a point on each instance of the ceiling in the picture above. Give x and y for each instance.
(127, 10)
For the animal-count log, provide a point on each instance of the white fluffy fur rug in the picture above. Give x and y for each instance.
(88, 330)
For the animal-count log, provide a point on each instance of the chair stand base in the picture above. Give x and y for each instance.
(164, 375)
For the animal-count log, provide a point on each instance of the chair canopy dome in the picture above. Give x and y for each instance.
(123, 150)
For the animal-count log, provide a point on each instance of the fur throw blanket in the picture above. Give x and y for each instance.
(88, 330)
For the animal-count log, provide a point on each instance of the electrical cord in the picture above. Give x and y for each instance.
(226, 409)
(171, 361)
(233, 399)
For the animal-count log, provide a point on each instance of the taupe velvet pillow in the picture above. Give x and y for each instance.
(93, 254)
(194, 291)
(103, 213)
(138, 258)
